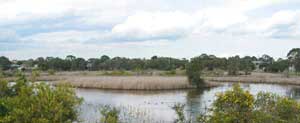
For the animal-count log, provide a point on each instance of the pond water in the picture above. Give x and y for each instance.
(155, 106)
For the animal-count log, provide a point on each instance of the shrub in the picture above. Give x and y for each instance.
(239, 106)
(233, 106)
(34, 75)
(179, 110)
(109, 114)
(28, 102)
(193, 72)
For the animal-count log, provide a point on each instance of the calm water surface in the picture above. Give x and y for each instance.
(155, 106)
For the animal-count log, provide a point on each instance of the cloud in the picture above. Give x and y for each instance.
(155, 25)
(152, 27)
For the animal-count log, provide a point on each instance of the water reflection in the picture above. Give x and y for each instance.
(154, 106)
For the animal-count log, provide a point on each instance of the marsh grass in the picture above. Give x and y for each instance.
(129, 82)
(268, 78)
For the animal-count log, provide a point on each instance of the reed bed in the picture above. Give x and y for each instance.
(257, 79)
(129, 82)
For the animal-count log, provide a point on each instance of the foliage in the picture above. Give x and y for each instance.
(109, 114)
(208, 63)
(233, 65)
(239, 106)
(30, 102)
(4, 63)
(246, 65)
(34, 75)
(294, 58)
(278, 66)
(179, 110)
(193, 71)
(233, 106)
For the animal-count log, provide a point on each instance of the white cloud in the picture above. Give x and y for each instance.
(156, 24)
(88, 25)
(63, 37)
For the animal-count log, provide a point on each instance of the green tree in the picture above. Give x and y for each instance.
(294, 58)
(4, 63)
(233, 65)
(34, 103)
(246, 65)
(267, 61)
(193, 72)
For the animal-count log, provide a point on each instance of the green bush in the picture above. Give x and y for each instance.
(109, 114)
(193, 72)
(179, 110)
(233, 106)
(34, 75)
(37, 103)
(239, 106)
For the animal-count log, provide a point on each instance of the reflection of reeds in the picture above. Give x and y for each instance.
(129, 82)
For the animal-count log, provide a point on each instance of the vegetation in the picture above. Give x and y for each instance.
(179, 110)
(239, 106)
(31, 102)
(193, 71)
(294, 58)
(51, 72)
(72, 63)
(129, 82)
(34, 74)
(109, 114)
(4, 63)
(234, 65)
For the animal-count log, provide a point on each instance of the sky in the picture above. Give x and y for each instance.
(143, 28)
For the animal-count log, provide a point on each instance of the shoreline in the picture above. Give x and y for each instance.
(149, 83)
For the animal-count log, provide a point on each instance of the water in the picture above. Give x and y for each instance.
(155, 106)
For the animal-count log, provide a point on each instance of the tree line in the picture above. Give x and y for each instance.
(232, 64)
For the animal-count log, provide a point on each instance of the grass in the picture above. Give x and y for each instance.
(129, 82)
(154, 80)
(268, 78)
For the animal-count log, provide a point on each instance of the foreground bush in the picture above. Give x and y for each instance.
(109, 114)
(37, 103)
(239, 106)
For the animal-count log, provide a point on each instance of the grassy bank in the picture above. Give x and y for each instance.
(128, 82)
(266, 78)
(99, 79)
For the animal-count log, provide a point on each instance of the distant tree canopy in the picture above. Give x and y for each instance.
(233, 65)
(73, 63)
(294, 58)
(193, 71)
(4, 63)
